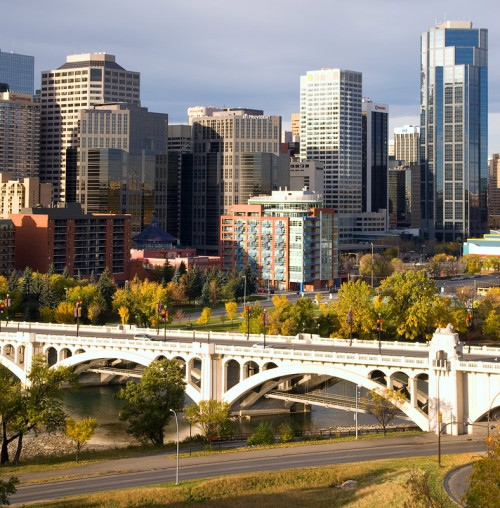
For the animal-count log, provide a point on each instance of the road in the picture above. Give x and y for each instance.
(154, 469)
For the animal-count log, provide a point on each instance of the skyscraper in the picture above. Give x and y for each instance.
(17, 72)
(330, 132)
(454, 131)
(230, 165)
(83, 81)
(407, 144)
(375, 123)
(19, 135)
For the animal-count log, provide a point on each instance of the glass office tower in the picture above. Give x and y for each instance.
(17, 72)
(454, 131)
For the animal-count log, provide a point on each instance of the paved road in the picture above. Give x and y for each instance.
(157, 468)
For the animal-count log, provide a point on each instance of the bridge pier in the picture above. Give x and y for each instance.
(446, 383)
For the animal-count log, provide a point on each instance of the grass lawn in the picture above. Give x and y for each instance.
(379, 484)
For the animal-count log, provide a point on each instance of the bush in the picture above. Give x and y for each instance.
(285, 432)
(263, 435)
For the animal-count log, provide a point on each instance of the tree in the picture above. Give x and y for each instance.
(7, 488)
(106, 287)
(39, 405)
(124, 314)
(80, 432)
(381, 266)
(205, 316)
(48, 295)
(356, 297)
(472, 263)
(231, 308)
(192, 283)
(381, 403)
(212, 416)
(97, 311)
(263, 435)
(148, 403)
(491, 324)
(484, 484)
(408, 300)
(64, 313)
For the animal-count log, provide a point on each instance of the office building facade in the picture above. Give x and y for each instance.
(17, 72)
(288, 238)
(230, 165)
(375, 130)
(407, 144)
(66, 237)
(454, 131)
(19, 135)
(494, 190)
(83, 81)
(330, 132)
(122, 162)
(16, 194)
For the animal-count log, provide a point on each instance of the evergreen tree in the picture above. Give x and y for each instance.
(26, 282)
(12, 281)
(205, 293)
(79, 274)
(177, 275)
(248, 274)
(192, 282)
(48, 296)
(66, 273)
(168, 272)
(92, 279)
(51, 270)
(182, 268)
(106, 287)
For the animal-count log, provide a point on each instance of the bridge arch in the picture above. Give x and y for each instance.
(233, 394)
(15, 369)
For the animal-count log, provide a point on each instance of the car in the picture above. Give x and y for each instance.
(147, 336)
(262, 345)
(261, 290)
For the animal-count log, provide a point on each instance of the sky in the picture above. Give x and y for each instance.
(251, 54)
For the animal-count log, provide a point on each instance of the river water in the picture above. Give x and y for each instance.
(99, 402)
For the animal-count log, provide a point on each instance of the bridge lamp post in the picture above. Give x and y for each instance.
(245, 292)
(248, 311)
(264, 324)
(379, 329)
(177, 426)
(2, 308)
(489, 411)
(164, 316)
(78, 314)
(356, 416)
(158, 312)
(7, 307)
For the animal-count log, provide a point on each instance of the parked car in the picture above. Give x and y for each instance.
(142, 336)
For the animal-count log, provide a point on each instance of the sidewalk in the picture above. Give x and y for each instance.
(161, 460)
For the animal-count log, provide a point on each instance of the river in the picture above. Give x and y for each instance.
(99, 402)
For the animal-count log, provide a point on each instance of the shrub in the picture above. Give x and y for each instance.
(285, 432)
(263, 435)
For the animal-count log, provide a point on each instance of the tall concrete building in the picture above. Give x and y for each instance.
(454, 131)
(19, 135)
(407, 144)
(83, 81)
(17, 72)
(295, 125)
(307, 175)
(375, 157)
(122, 162)
(16, 194)
(236, 155)
(330, 132)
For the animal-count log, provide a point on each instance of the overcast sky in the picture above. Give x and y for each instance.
(233, 53)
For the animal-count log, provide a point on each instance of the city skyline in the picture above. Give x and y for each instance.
(192, 54)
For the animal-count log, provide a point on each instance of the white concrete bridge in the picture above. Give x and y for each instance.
(440, 377)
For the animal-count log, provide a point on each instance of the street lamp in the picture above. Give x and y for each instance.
(245, 292)
(158, 312)
(248, 310)
(379, 328)
(177, 426)
(78, 314)
(264, 324)
(357, 394)
(372, 262)
(7, 307)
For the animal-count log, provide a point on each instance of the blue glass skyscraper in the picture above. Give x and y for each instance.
(17, 72)
(454, 131)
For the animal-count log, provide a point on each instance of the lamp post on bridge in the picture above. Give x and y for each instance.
(7, 307)
(164, 316)
(264, 324)
(2, 308)
(379, 329)
(78, 314)
(248, 310)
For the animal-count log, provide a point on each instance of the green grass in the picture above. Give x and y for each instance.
(379, 483)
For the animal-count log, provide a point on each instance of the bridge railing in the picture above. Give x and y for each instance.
(479, 367)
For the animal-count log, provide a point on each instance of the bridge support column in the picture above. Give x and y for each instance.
(211, 373)
(413, 382)
(31, 349)
(446, 383)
